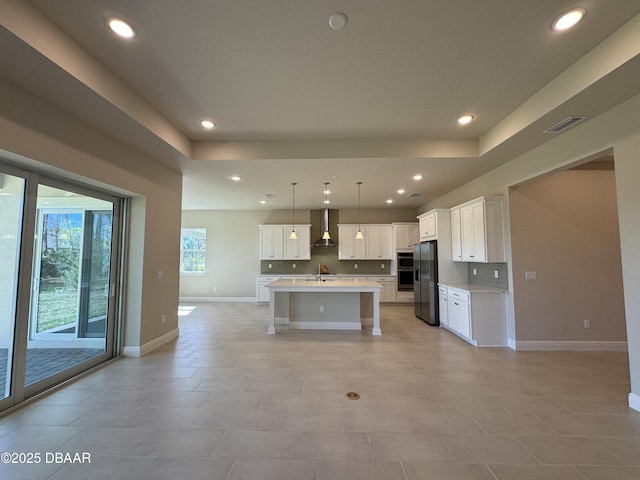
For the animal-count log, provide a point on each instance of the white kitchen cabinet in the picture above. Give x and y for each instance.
(378, 242)
(442, 306)
(262, 292)
(456, 236)
(405, 235)
(348, 247)
(275, 243)
(428, 226)
(481, 231)
(271, 245)
(388, 292)
(477, 314)
(458, 314)
(300, 248)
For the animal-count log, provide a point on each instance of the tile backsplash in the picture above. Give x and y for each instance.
(485, 275)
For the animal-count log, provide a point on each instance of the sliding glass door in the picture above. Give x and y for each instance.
(60, 255)
(11, 208)
(70, 300)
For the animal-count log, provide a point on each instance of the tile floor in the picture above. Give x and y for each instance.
(227, 401)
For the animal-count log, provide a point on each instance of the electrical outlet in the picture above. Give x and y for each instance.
(587, 324)
(382, 265)
(160, 274)
(321, 308)
(496, 274)
(530, 275)
(475, 272)
(164, 318)
(270, 265)
(293, 266)
(215, 289)
(355, 265)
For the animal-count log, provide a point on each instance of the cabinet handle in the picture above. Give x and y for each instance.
(455, 303)
(471, 256)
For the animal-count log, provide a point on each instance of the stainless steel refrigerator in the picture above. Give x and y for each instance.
(425, 282)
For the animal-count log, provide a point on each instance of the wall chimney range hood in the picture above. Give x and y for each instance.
(324, 240)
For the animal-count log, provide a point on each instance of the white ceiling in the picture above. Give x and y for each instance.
(295, 100)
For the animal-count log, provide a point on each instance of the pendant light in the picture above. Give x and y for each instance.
(325, 235)
(359, 235)
(293, 235)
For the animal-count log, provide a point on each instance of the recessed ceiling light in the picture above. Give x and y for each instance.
(263, 201)
(337, 21)
(235, 178)
(465, 119)
(401, 191)
(121, 28)
(208, 124)
(568, 19)
(417, 177)
(389, 200)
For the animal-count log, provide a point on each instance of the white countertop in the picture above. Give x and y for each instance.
(327, 275)
(324, 284)
(468, 287)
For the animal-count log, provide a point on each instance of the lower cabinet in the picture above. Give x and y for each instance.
(442, 306)
(388, 292)
(458, 314)
(478, 315)
(262, 292)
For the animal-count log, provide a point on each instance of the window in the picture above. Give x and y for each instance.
(193, 250)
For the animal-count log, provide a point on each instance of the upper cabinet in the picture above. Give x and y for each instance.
(349, 248)
(477, 231)
(376, 245)
(379, 242)
(428, 225)
(300, 248)
(271, 246)
(275, 243)
(456, 236)
(405, 235)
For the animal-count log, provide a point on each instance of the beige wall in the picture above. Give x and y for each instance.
(233, 255)
(233, 246)
(39, 136)
(627, 152)
(564, 227)
(617, 129)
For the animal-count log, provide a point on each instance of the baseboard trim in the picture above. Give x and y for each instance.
(572, 346)
(325, 325)
(152, 345)
(634, 401)
(220, 299)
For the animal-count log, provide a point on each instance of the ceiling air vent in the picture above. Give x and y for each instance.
(414, 195)
(269, 196)
(564, 124)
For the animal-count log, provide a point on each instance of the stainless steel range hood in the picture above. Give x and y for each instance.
(324, 242)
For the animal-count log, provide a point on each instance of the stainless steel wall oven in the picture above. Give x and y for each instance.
(405, 271)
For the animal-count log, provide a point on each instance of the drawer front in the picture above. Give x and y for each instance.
(382, 279)
(442, 290)
(268, 279)
(458, 294)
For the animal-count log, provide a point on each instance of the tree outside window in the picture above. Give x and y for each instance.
(193, 250)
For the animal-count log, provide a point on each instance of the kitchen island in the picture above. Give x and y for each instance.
(324, 303)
